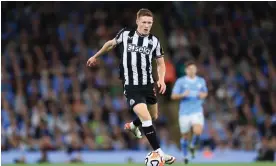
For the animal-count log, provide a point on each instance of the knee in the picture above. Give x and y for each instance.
(197, 129)
(145, 117)
(142, 112)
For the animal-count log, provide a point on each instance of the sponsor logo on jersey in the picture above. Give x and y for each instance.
(138, 49)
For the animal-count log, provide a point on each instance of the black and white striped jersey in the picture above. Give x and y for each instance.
(136, 56)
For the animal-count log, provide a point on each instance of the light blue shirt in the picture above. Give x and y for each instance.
(192, 103)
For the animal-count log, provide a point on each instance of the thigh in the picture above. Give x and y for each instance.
(184, 124)
(197, 121)
(142, 112)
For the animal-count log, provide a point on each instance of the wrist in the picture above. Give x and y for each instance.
(95, 56)
(161, 79)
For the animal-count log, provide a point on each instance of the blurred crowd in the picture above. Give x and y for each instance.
(51, 100)
(234, 47)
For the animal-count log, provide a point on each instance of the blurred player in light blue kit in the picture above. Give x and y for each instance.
(191, 90)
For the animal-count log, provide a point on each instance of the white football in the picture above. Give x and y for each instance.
(154, 159)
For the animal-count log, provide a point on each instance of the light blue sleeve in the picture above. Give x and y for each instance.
(177, 87)
(204, 87)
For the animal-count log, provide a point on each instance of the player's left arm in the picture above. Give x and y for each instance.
(161, 69)
(158, 53)
(203, 91)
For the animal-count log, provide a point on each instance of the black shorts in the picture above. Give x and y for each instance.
(140, 94)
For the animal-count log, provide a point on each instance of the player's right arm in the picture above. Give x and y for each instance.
(177, 92)
(203, 91)
(108, 46)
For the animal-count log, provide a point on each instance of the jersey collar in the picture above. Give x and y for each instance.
(191, 79)
(141, 34)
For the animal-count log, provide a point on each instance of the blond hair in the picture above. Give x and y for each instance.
(144, 12)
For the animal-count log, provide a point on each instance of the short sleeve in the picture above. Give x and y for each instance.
(158, 52)
(177, 87)
(119, 36)
(204, 86)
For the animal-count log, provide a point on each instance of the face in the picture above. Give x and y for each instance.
(144, 24)
(191, 70)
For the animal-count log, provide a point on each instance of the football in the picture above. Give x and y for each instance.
(154, 159)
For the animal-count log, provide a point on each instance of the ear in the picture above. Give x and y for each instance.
(137, 20)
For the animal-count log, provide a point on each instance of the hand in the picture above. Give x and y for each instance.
(91, 61)
(202, 95)
(162, 86)
(186, 93)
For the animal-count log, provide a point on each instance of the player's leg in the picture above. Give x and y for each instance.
(197, 121)
(137, 101)
(185, 146)
(184, 124)
(133, 97)
(153, 110)
(134, 127)
(197, 130)
(142, 112)
(151, 101)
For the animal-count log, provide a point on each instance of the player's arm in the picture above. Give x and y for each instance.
(158, 53)
(204, 91)
(177, 92)
(179, 96)
(161, 68)
(108, 46)
(203, 95)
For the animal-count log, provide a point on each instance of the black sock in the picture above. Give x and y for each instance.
(151, 136)
(137, 122)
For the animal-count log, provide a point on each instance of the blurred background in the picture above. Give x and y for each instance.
(51, 102)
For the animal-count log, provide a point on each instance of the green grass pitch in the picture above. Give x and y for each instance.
(176, 164)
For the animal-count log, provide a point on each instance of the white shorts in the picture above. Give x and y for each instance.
(187, 121)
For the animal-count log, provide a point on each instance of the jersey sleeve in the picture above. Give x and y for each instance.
(204, 86)
(177, 87)
(158, 52)
(119, 36)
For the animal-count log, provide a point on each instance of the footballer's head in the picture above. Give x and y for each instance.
(190, 68)
(144, 21)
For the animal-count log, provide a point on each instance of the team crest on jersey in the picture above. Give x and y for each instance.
(131, 102)
(135, 48)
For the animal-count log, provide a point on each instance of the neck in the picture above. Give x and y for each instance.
(140, 33)
(192, 77)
